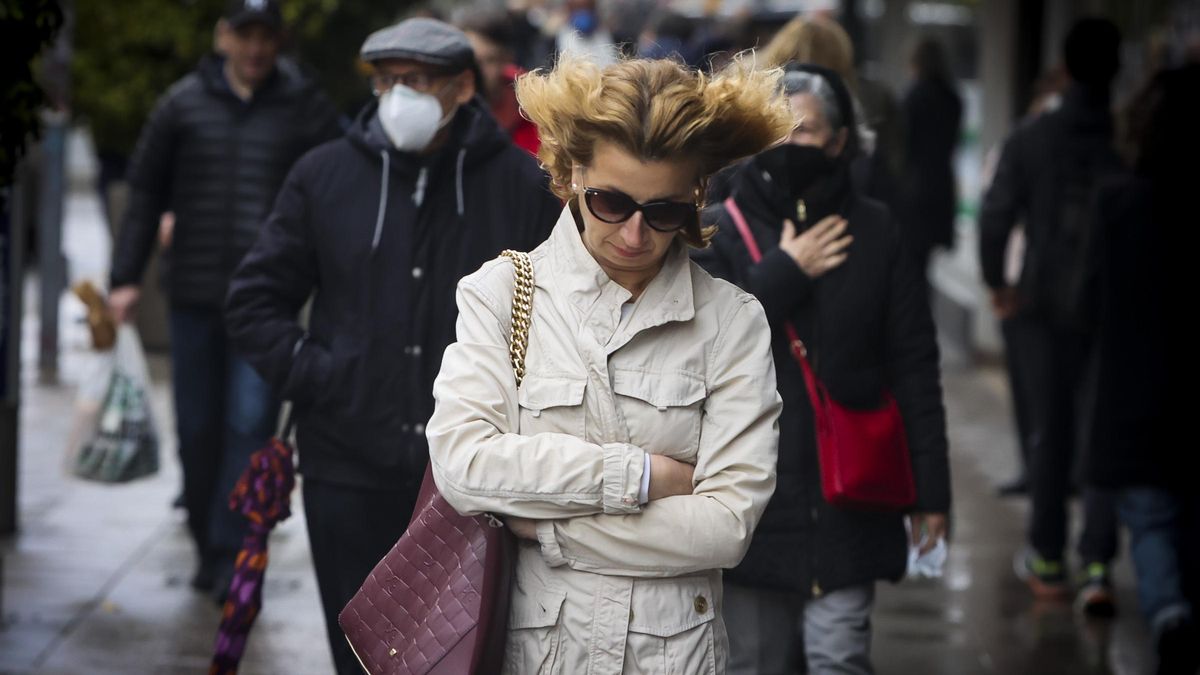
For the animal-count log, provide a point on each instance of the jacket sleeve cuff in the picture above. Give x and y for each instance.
(312, 369)
(623, 468)
(778, 272)
(551, 552)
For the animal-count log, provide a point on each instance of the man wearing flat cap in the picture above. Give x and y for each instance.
(214, 152)
(378, 227)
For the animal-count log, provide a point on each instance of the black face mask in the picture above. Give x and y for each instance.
(801, 172)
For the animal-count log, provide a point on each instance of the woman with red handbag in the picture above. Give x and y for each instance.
(854, 348)
(637, 452)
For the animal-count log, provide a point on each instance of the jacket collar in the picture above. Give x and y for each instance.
(578, 278)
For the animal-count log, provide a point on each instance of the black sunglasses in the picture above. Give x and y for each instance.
(617, 207)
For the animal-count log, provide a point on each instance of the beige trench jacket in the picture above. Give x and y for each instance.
(611, 586)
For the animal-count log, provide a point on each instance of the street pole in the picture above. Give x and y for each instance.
(13, 220)
(52, 264)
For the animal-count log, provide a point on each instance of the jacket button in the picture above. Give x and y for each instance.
(418, 429)
(417, 272)
(700, 604)
(404, 428)
(416, 350)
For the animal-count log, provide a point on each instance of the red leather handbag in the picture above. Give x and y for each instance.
(437, 604)
(863, 454)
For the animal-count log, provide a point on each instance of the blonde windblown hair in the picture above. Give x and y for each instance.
(655, 110)
(816, 40)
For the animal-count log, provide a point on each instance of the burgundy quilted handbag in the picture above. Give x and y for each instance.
(437, 603)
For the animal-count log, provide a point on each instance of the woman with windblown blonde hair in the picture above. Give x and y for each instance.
(637, 454)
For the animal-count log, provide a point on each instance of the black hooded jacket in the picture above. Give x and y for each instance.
(380, 239)
(216, 161)
(868, 329)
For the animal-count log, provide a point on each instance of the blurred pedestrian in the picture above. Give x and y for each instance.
(1046, 177)
(932, 119)
(1047, 96)
(214, 151)
(839, 273)
(378, 227)
(1140, 416)
(582, 31)
(491, 34)
(822, 41)
(638, 452)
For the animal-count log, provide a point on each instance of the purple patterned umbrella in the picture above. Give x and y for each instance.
(263, 495)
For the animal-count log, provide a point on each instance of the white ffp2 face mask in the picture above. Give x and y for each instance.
(409, 118)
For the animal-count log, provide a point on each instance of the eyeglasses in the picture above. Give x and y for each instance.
(617, 207)
(417, 80)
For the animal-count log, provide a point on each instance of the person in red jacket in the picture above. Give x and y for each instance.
(491, 36)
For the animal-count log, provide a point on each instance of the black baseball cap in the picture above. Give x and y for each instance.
(242, 12)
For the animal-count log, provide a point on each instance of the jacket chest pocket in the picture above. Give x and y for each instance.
(663, 410)
(671, 627)
(551, 405)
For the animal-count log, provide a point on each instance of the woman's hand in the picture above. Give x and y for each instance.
(930, 527)
(669, 477)
(524, 528)
(818, 249)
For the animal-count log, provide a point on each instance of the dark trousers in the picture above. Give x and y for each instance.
(350, 529)
(1050, 364)
(223, 412)
(1010, 329)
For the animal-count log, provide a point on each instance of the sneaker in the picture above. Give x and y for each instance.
(1095, 596)
(1046, 578)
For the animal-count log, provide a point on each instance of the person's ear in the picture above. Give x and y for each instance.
(466, 87)
(839, 144)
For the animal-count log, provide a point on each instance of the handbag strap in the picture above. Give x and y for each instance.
(799, 351)
(522, 310)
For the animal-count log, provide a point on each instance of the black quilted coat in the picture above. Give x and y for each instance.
(216, 161)
(867, 327)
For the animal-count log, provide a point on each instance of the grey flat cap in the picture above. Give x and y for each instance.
(420, 39)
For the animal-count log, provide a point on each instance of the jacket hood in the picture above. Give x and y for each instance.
(474, 137)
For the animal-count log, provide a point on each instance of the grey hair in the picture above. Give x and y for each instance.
(804, 82)
(801, 82)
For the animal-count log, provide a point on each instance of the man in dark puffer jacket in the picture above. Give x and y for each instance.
(380, 225)
(214, 152)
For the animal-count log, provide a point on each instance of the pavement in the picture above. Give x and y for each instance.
(96, 579)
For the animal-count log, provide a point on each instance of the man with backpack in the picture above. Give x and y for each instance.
(1048, 171)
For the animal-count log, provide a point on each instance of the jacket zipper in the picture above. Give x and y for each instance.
(802, 218)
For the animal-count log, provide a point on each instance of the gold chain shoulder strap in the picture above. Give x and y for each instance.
(522, 310)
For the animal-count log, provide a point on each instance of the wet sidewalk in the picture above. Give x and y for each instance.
(96, 581)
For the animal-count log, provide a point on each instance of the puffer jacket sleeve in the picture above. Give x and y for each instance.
(149, 193)
(480, 463)
(734, 479)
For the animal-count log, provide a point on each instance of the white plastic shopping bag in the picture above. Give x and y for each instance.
(118, 439)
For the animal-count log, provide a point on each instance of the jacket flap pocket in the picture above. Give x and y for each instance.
(534, 607)
(540, 392)
(667, 607)
(660, 389)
